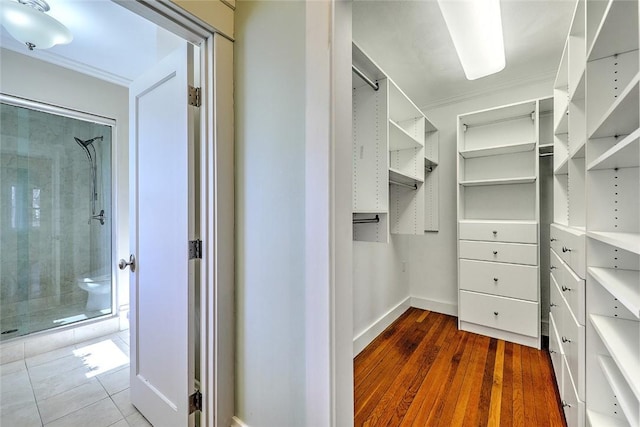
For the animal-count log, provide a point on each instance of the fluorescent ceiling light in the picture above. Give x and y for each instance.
(476, 29)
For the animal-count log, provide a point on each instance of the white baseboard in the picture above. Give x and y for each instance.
(237, 422)
(435, 306)
(376, 328)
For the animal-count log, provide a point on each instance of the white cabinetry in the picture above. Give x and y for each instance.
(390, 135)
(498, 222)
(595, 241)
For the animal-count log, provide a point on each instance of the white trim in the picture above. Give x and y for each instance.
(237, 422)
(372, 331)
(542, 77)
(435, 306)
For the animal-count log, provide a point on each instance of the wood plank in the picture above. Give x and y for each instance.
(423, 372)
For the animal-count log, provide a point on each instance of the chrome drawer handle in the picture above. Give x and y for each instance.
(552, 351)
(565, 289)
(553, 239)
(551, 304)
(495, 232)
(553, 267)
(495, 279)
(495, 252)
(495, 313)
(565, 339)
(565, 404)
(565, 249)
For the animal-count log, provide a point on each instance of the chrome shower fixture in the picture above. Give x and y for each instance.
(90, 151)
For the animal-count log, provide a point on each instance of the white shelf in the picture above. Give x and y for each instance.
(622, 339)
(622, 117)
(498, 149)
(627, 241)
(399, 139)
(617, 383)
(625, 154)
(429, 163)
(612, 35)
(563, 124)
(578, 153)
(498, 221)
(622, 284)
(399, 177)
(563, 168)
(507, 181)
(371, 211)
(597, 419)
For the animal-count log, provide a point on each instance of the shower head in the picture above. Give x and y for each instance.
(88, 141)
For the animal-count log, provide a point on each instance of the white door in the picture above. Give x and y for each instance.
(162, 209)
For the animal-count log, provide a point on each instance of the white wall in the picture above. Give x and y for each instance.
(270, 218)
(36, 80)
(431, 257)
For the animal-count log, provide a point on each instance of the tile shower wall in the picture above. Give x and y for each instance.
(48, 241)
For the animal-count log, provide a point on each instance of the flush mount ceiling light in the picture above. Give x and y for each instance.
(476, 29)
(28, 23)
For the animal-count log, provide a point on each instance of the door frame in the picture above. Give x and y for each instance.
(215, 188)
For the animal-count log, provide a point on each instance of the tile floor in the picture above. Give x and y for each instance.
(82, 385)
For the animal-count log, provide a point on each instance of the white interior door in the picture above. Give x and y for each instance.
(162, 209)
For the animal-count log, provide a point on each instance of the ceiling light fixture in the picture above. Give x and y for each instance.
(28, 23)
(476, 29)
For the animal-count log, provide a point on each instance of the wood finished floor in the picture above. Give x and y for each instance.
(423, 371)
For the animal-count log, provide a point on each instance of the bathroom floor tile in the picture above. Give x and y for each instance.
(12, 367)
(123, 402)
(60, 382)
(70, 401)
(116, 381)
(100, 414)
(25, 415)
(49, 356)
(137, 420)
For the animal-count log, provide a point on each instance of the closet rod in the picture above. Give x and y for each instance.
(505, 119)
(545, 154)
(402, 184)
(367, 220)
(366, 79)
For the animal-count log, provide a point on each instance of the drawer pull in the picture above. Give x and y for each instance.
(565, 339)
(552, 351)
(495, 252)
(495, 313)
(553, 267)
(565, 289)
(551, 304)
(495, 232)
(553, 239)
(565, 404)
(566, 249)
(495, 279)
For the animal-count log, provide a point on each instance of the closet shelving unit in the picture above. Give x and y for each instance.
(613, 213)
(390, 139)
(431, 177)
(498, 218)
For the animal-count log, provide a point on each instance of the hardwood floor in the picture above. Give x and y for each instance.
(422, 371)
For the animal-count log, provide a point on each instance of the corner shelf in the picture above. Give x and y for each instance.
(622, 284)
(622, 117)
(622, 340)
(627, 241)
(498, 149)
(618, 383)
(506, 181)
(399, 139)
(625, 154)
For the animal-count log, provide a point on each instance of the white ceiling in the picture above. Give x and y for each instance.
(410, 42)
(109, 41)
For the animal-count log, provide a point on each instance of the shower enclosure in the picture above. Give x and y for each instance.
(55, 217)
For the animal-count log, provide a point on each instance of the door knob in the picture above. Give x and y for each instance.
(122, 264)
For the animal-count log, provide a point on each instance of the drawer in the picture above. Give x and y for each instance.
(572, 339)
(493, 231)
(576, 255)
(555, 351)
(507, 280)
(556, 302)
(520, 317)
(555, 236)
(555, 265)
(574, 409)
(573, 290)
(515, 253)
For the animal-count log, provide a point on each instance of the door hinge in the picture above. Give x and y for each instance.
(195, 249)
(195, 402)
(194, 96)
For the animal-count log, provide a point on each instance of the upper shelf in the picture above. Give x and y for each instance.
(397, 177)
(622, 284)
(498, 149)
(612, 34)
(626, 241)
(622, 117)
(399, 139)
(506, 181)
(625, 154)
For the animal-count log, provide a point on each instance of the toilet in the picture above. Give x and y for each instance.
(99, 290)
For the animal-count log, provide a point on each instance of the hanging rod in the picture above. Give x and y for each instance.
(367, 220)
(545, 154)
(366, 79)
(402, 184)
(505, 119)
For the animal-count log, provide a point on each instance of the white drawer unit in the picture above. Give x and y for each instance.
(574, 411)
(517, 316)
(573, 290)
(555, 265)
(508, 280)
(556, 303)
(555, 350)
(569, 244)
(497, 231)
(572, 339)
(514, 253)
